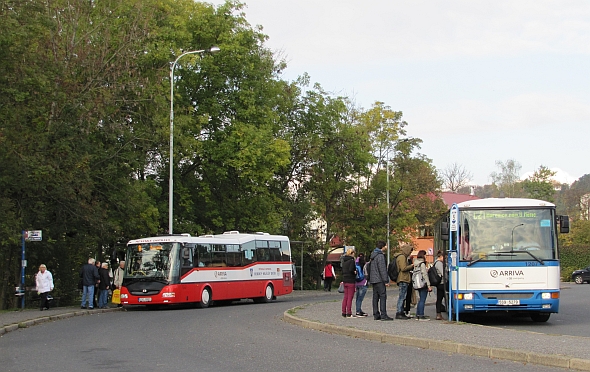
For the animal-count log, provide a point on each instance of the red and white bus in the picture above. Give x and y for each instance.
(179, 269)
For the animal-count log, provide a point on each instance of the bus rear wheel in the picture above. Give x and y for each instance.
(205, 298)
(268, 295)
(540, 317)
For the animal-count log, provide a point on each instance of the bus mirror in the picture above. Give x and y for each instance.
(564, 224)
(444, 231)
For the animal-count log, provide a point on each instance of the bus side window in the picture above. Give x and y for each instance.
(187, 257)
(262, 252)
(275, 250)
(248, 253)
(203, 255)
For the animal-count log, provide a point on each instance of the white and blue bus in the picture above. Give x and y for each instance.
(502, 256)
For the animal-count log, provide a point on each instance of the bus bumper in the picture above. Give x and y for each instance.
(542, 301)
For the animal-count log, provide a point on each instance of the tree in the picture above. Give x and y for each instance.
(540, 185)
(455, 176)
(507, 180)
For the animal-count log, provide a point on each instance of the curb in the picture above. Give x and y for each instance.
(35, 321)
(560, 361)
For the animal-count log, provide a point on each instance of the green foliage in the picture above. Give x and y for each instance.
(573, 257)
(539, 185)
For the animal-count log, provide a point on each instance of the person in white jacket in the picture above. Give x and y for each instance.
(44, 281)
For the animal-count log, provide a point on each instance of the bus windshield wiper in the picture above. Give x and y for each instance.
(530, 254)
(488, 255)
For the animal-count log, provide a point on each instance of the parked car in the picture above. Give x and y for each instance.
(581, 276)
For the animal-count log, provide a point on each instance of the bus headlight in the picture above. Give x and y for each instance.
(465, 296)
(124, 295)
(168, 295)
(546, 296)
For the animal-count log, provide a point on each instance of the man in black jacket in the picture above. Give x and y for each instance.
(379, 279)
(89, 275)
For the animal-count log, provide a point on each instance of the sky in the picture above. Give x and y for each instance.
(477, 81)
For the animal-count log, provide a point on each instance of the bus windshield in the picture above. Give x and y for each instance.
(507, 235)
(151, 260)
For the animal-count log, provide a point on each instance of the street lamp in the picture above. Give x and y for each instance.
(170, 181)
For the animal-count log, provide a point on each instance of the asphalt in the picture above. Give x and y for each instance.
(324, 314)
(448, 336)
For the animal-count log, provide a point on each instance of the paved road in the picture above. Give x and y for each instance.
(242, 337)
(573, 318)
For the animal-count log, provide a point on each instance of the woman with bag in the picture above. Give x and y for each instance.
(421, 283)
(440, 287)
(349, 280)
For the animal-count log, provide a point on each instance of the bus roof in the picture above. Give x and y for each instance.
(504, 203)
(230, 237)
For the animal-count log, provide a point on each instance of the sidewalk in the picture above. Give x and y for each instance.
(13, 320)
(471, 339)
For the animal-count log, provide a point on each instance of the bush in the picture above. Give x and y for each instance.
(573, 257)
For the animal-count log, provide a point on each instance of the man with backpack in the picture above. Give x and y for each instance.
(403, 278)
(379, 280)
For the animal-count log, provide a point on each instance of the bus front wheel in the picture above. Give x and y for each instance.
(205, 298)
(540, 317)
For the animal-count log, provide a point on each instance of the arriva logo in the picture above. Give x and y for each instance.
(496, 273)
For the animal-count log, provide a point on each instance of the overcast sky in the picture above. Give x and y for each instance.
(477, 81)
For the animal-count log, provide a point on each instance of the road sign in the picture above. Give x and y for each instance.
(34, 235)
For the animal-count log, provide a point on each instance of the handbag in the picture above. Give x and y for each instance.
(341, 287)
(116, 299)
(418, 280)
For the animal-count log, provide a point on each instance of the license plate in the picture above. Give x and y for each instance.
(508, 302)
(145, 299)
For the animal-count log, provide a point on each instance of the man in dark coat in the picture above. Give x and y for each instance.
(379, 280)
(89, 275)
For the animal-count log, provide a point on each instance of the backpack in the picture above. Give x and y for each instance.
(367, 271)
(360, 276)
(433, 276)
(392, 270)
(418, 280)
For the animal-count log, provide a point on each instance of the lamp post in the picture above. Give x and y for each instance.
(388, 228)
(170, 180)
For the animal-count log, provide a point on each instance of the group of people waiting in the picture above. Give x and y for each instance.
(97, 279)
(380, 280)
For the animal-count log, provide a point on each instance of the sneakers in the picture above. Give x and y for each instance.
(347, 315)
(361, 314)
(401, 316)
(422, 318)
(386, 318)
(407, 313)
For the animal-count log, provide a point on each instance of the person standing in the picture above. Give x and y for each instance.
(361, 287)
(89, 275)
(440, 287)
(403, 278)
(44, 282)
(118, 277)
(349, 279)
(379, 280)
(420, 270)
(103, 286)
(96, 289)
(329, 276)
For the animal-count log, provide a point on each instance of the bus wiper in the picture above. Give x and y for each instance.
(530, 254)
(488, 255)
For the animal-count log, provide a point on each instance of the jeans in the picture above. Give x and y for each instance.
(88, 294)
(103, 297)
(361, 290)
(403, 291)
(379, 300)
(423, 292)
(347, 300)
